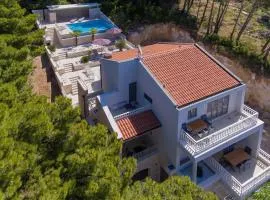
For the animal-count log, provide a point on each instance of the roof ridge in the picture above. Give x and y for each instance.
(177, 48)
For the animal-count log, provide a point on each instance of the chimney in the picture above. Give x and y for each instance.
(140, 53)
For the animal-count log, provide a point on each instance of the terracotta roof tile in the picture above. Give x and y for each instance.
(188, 74)
(137, 124)
(147, 50)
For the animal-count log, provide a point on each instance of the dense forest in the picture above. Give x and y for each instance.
(46, 150)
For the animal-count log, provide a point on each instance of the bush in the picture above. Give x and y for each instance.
(248, 57)
(120, 44)
(85, 59)
(51, 48)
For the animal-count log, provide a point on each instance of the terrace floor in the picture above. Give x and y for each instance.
(256, 167)
(254, 170)
(222, 122)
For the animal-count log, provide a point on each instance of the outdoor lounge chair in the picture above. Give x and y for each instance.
(73, 20)
(81, 19)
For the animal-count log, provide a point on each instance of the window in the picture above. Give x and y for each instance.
(218, 107)
(148, 98)
(192, 113)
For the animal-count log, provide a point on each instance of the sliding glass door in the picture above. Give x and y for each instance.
(218, 107)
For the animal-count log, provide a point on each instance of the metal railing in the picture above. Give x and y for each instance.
(133, 112)
(198, 146)
(242, 189)
(146, 153)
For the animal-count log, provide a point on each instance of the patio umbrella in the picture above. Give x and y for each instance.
(114, 31)
(101, 41)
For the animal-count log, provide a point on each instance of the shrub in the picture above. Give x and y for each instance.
(120, 44)
(85, 59)
(250, 58)
(51, 48)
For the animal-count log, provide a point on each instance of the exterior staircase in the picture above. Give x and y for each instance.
(68, 67)
(74, 85)
(61, 55)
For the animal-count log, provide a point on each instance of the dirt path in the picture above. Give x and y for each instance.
(43, 80)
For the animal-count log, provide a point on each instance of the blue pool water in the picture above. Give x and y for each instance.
(207, 172)
(84, 27)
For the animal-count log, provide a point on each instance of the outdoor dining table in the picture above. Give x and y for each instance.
(236, 157)
(197, 126)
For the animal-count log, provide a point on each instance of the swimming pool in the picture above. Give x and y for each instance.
(84, 27)
(207, 172)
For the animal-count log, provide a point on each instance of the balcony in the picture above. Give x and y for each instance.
(220, 130)
(126, 110)
(244, 182)
(141, 148)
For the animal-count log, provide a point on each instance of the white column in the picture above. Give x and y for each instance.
(194, 172)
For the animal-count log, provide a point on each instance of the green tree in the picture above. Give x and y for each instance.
(173, 188)
(120, 44)
(263, 193)
(93, 32)
(76, 34)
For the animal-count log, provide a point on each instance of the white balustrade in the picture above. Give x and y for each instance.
(133, 112)
(197, 146)
(242, 189)
(146, 153)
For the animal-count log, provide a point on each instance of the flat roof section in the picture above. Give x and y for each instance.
(138, 124)
(71, 6)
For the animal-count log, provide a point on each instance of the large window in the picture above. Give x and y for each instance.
(192, 113)
(218, 107)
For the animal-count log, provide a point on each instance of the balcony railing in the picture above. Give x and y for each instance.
(198, 146)
(133, 112)
(242, 189)
(146, 153)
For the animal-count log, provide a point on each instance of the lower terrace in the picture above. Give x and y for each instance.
(245, 179)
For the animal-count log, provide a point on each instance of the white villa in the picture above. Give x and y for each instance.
(60, 22)
(177, 109)
(181, 112)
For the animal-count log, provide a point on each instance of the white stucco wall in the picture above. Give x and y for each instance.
(236, 99)
(164, 109)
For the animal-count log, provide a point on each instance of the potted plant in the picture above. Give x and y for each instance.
(51, 48)
(120, 44)
(93, 32)
(85, 59)
(76, 34)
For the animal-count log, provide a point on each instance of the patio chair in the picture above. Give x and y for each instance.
(248, 150)
(228, 149)
(81, 19)
(73, 20)
(247, 164)
(205, 118)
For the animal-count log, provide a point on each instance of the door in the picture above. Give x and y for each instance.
(132, 92)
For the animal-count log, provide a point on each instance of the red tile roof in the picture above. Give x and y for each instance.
(137, 124)
(188, 74)
(147, 50)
